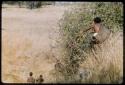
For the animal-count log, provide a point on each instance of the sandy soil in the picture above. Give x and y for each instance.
(27, 39)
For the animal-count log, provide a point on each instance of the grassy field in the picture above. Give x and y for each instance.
(29, 41)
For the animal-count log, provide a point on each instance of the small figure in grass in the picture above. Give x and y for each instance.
(31, 78)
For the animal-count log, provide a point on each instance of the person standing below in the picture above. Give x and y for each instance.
(30, 78)
(40, 79)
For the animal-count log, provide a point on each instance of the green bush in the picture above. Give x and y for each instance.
(33, 4)
(111, 13)
(71, 27)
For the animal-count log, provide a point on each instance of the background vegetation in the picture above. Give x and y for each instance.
(29, 4)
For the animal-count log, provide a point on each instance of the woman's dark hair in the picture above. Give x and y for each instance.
(97, 20)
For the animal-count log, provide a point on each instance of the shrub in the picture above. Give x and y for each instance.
(34, 4)
(111, 13)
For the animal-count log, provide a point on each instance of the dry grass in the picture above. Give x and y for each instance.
(107, 67)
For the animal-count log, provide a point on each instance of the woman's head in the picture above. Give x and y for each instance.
(96, 24)
(96, 20)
